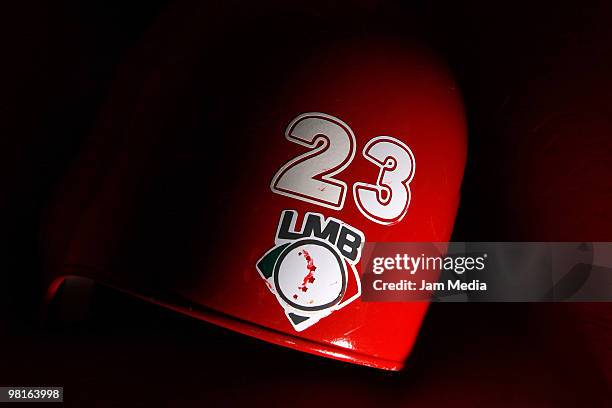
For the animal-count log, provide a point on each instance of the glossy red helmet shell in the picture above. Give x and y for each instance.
(232, 184)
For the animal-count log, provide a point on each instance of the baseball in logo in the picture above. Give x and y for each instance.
(312, 271)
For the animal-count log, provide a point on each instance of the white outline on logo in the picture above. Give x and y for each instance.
(313, 316)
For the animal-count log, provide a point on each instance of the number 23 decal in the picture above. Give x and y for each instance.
(310, 177)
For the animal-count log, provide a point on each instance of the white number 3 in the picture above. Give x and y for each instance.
(387, 201)
(310, 176)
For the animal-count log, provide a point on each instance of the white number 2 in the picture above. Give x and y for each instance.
(309, 177)
(387, 201)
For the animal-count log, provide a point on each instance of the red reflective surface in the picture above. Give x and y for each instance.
(141, 162)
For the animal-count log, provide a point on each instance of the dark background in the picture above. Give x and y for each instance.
(537, 87)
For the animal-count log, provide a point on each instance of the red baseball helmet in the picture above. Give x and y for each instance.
(237, 180)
